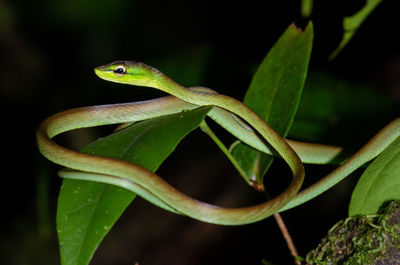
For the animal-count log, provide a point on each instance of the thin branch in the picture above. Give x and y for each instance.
(281, 224)
(204, 127)
(287, 237)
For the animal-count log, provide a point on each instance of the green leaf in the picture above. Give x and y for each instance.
(352, 23)
(86, 211)
(379, 183)
(274, 94)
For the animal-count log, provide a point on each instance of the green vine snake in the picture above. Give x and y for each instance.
(248, 128)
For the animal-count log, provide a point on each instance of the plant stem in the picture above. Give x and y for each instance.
(204, 127)
(278, 218)
(287, 237)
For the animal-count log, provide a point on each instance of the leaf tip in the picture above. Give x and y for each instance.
(308, 26)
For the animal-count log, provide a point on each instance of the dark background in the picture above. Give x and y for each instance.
(47, 54)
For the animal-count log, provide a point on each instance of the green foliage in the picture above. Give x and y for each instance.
(352, 23)
(274, 94)
(86, 210)
(379, 183)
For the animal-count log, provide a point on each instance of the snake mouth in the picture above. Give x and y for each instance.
(103, 68)
(102, 72)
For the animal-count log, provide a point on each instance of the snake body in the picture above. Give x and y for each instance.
(153, 188)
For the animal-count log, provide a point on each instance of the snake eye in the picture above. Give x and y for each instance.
(119, 70)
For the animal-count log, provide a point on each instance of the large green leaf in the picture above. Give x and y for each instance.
(274, 94)
(87, 211)
(352, 23)
(379, 183)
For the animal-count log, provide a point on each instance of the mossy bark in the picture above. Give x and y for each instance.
(363, 240)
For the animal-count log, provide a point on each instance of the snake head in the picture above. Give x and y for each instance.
(128, 72)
